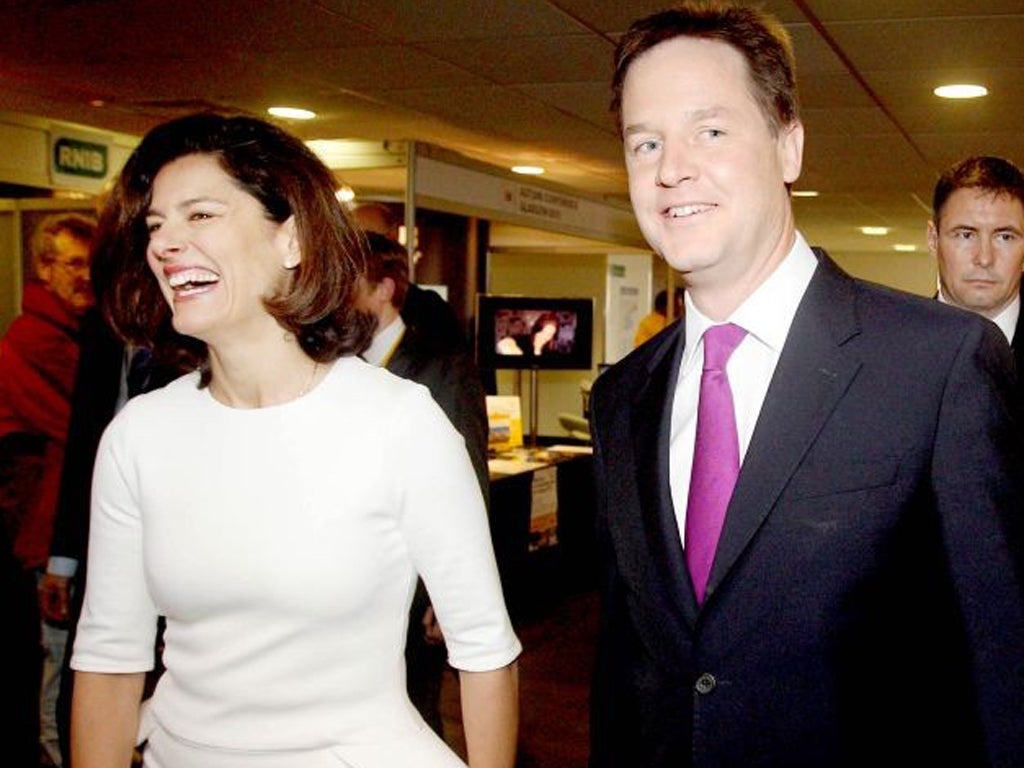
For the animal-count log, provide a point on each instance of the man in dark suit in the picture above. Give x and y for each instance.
(411, 347)
(977, 237)
(809, 491)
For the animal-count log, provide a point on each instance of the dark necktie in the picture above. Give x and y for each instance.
(138, 372)
(716, 456)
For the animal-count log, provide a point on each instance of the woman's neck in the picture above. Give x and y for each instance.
(244, 376)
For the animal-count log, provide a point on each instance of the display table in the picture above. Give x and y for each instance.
(542, 519)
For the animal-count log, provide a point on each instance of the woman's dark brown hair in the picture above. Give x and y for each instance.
(545, 318)
(317, 304)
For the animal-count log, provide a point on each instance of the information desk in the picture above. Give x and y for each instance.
(542, 520)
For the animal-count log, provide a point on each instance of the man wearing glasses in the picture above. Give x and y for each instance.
(38, 359)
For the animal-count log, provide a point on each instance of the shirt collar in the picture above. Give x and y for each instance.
(768, 312)
(383, 342)
(1006, 320)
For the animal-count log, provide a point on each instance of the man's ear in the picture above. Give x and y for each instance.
(290, 243)
(44, 271)
(791, 151)
(387, 289)
(933, 238)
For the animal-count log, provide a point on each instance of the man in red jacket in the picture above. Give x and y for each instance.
(38, 359)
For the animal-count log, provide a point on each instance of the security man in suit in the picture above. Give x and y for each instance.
(977, 236)
(417, 351)
(810, 490)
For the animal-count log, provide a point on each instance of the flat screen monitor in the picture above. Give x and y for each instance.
(527, 332)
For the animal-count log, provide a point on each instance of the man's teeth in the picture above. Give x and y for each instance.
(191, 278)
(680, 211)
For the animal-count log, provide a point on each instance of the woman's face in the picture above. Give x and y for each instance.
(214, 252)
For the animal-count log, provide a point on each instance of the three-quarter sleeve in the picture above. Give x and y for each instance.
(444, 522)
(117, 629)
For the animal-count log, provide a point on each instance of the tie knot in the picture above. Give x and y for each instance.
(719, 343)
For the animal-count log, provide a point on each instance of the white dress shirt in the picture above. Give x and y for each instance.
(1006, 320)
(766, 316)
(384, 343)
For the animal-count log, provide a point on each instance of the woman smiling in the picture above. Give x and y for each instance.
(277, 504)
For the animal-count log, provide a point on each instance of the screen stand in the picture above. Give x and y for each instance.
(534, 407)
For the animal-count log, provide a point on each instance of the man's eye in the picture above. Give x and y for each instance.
(645, 147)
(200, 216)
(152, 226)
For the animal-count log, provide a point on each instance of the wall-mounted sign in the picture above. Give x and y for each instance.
(78, 160)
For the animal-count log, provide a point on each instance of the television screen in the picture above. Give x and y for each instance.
(524, 332)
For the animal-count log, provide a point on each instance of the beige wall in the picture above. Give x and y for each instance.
(10, 265)
(554, 275)
(913, 272)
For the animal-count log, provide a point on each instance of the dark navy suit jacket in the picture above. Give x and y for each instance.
(865, 603)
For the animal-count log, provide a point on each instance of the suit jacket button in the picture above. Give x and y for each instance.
(705, 683)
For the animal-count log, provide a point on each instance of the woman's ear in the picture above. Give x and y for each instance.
(290, 243)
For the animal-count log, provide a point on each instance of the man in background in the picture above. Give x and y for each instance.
(38, 358)
(977, 236)
(422, 307)
(810, 491)
(654, 323)
(414, 352)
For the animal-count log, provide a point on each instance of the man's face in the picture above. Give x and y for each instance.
(979, 244)
(68, 274)
(707, 175)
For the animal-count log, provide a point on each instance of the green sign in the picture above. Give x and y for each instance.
(74, 157)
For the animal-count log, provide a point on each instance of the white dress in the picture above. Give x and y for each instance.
(282, 545)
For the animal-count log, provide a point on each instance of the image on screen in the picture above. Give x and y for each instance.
(520, 332)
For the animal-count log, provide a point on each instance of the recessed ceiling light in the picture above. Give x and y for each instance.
(292, 113)
(528, 170)
(961, 91)
(875, 231)
(345, 194)
(904, 247)
(804, 193)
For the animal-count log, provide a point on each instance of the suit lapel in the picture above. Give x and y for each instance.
(813, 373)
(1017, 344)
(651, 431)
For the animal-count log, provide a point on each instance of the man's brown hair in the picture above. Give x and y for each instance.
(986, 173)
(759, 38)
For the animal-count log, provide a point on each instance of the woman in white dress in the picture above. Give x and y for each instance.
(277, 504)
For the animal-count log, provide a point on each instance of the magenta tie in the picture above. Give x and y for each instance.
(716, 456)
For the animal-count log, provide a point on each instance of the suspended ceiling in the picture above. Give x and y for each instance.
(511, 81)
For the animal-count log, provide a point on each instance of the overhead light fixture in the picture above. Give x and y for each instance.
(961, 91)
(528, 170)
(804, 193)
(904, 247)
(292, 113)
(875, 231)
(345, 194)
